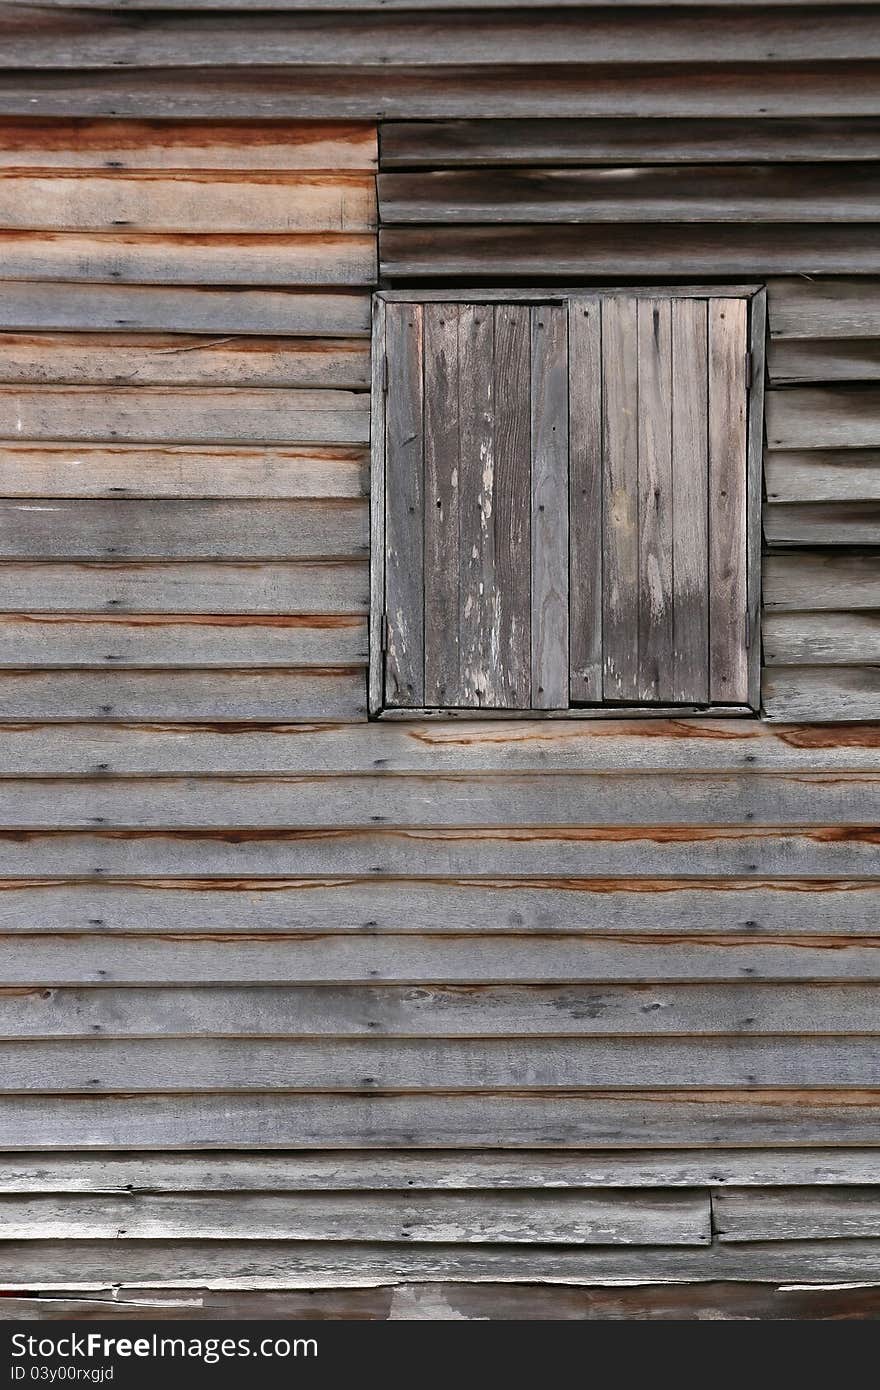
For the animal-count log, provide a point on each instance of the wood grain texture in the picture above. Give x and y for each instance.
(805, 580)
(442, 577)
(728, 502)
(823, 475)
(793, 362)
(569, 1218)
(656, 520)
(796, 1213)
(819, 639)
(585, 584)
(473, 551)
(550, 565)
(822, 523)
(823, 419)
(404, 555)
(512, 521)
(229, 1011)
(826, 309)
(690, 501)
(620, 491)
(821, 693)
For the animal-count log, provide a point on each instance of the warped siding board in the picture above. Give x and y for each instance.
(803, 910)
(211, 694)
(411, 800)
(822, 523)
(434, 1011)
(750, 193)
(549, 143)
(189, 201)
(453, 1170)
(32, 40)
(823, 475)
(255, 588)
(227, 1065)
(187, 258)
(130, 359)
(180, 471)
(39, 961)
(821, 692)
(801, 581)
(38, 306)
(616, 746)
(177, 529)
(814, 639)
(649, 251)
(848, 852)
(248, 145)
(823, 419)
(796, 1213)
(793, 362)
(580, 1119)
(279, 1265)
(167, 414)
(582, 1218)
(823, 309)
(42, 641)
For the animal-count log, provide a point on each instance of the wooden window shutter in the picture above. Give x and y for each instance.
(476, 556)
(658, 477)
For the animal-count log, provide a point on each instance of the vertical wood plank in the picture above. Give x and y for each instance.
(512, 511)
(755, 471)
(479, 658)
(442, 583)
(550, 561)
(585, 499)
(690, 545)
(655, 500)
(404, 544)
(376, 674)
(620, 493)
(728, 654)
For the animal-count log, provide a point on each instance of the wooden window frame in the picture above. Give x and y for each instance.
(756, 297)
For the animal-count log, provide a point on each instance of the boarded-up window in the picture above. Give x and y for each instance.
(565, 502)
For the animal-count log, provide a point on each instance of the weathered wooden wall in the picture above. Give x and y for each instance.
(290, 1000)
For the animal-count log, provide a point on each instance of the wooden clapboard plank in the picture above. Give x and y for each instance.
(511, 522)
(836, 851)
(182, 471)
(188, 201)
(476, 143)
(823, 419)
(655, 502)
(184, 415)
(473, 550)
(822, 523)
(728, 577)
(690, 561)
(802, 910)
(795, 362)
(628, 745)
(821, 693)
(119, 1174)
(131, 359)
(809, 309)
(255, 588)
(365, 5)
(823, 475)
(229, 1011)
(368, 1122)
(570, 1218)
(188, 1264)
(404, 558)
(35, 306)
(113, 642)
(273, 695)
(169, 41)
(626, 251)
(135, 258)
(620, 491)
(413, 799)
(743, 194)
(172, 1065)
(182, 529)
(442, 573)
(585, 499)
(250, 145)
(550, 495)
(796, 1213)
(35, 962)
(824, 582)
(842, 639)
